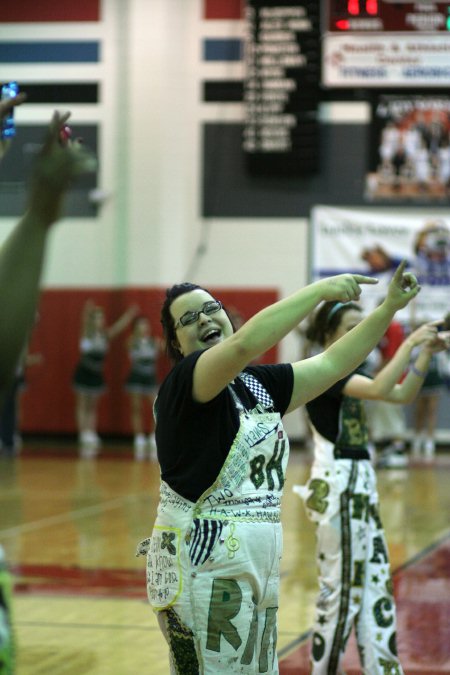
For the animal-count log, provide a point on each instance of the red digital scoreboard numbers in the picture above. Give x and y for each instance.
(385, 43)
(386, 15)
(343, 10)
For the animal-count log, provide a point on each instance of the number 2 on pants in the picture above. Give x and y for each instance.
(317, 500)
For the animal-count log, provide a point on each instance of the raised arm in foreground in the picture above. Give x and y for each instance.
(219, 365)
(22, 254)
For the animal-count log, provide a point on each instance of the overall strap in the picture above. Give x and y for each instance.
(237, 401)
(258, 390)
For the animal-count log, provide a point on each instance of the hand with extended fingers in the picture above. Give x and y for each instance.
(427, 332)
(344, 287)
(57, 165)
(433, 341)
(402, 288)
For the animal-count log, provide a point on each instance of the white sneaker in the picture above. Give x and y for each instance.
(371, 449)
(139, 447)
(89, 442)
(416, 447)
(429, 448)
(392, 460)
(139, 441)
(86, 438)
(152, 453)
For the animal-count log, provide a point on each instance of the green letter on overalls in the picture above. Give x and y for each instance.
(226, 599)
(382, 611)
(376, 516)
(360, 504)
(358, 573)
(379, 549)
(249, 651)
(276, 463)
(270, 629)
(389, 667)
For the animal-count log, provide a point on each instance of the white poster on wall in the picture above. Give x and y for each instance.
(349, 240)
(386, 59)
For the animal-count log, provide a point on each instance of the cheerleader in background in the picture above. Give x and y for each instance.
(426, 412)
(141, 384)
(88, 379)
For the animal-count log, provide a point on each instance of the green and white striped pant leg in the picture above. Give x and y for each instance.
(355, 582)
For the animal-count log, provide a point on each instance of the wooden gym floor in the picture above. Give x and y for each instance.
(70, 526)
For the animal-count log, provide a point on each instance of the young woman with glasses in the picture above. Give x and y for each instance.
(213, 560)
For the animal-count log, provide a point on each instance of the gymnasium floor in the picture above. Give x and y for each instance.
(70, 527)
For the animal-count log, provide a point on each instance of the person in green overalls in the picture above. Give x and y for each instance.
(341, 497)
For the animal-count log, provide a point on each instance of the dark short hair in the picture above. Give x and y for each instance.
(167, 321)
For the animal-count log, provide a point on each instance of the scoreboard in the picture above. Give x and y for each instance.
(379, 43)
(282, 86)
(294, 48)
(387, 15)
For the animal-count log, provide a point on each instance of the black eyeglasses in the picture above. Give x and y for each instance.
(210, 307)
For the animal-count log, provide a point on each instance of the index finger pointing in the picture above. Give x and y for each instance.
(361, 279)
(400, 269)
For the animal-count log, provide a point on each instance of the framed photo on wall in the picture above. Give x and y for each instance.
(409, 149)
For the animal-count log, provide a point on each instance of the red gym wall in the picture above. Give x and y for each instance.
(48, 402)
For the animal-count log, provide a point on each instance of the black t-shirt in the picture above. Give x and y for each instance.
(194, 439)
(327, 414)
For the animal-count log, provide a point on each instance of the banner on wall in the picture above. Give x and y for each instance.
(372, 243)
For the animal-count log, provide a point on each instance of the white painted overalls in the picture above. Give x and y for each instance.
(354, 573)
(213, 566)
